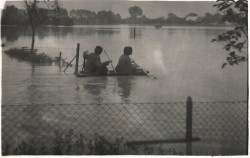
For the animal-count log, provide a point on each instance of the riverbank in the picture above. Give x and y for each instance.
(28, 55)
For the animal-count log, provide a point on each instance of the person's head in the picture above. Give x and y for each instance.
(127, 50)
(98, 49)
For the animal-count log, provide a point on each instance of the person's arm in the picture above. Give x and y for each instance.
(98, 62)
(131, 67)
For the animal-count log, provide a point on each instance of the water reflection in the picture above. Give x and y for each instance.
(125, 84)
(33, 67)
(10, 34)
(135, 32)
(99, 31)
(209, 32)
(96, 86)
(57, 32)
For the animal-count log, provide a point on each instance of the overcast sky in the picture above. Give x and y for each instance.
(151, 9)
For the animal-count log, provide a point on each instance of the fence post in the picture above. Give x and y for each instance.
(134, 32)
(60, 56)
(77, 57)
(189, 109)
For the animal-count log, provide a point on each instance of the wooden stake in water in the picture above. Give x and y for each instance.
(60, 56)
(134, 32)
(77, 57)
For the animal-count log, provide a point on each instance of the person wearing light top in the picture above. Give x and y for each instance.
(125, 65)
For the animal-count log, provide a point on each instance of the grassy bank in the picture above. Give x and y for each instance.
(27, 55)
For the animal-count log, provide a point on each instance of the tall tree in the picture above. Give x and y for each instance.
(235, 40)
(32, 9)
(135, 11)
(10, 15)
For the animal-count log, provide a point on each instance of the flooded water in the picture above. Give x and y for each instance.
(183, 59)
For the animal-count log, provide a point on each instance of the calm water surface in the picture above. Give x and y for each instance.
(183, 59)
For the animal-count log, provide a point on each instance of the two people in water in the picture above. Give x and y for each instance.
(94, 65)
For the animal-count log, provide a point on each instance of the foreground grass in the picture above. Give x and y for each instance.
(72, 144)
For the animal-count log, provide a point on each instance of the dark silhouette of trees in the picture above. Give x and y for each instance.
(13, 16)
(44, 16)
(235, 40)
(135, 11)
(107, 17)
(32, 9)
(212, 19)
(81, 16)
(60, 16)
(135, 15)
(173, 19)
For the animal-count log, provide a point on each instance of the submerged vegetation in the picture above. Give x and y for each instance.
(30, 56)
(73, 144)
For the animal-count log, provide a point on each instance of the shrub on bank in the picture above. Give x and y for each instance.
(27, 55)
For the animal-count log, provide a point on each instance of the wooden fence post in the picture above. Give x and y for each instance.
(189, 109)
(77, 57)
(60, 56)
(134, 32)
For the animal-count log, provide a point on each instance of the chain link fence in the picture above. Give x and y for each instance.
(119, 128)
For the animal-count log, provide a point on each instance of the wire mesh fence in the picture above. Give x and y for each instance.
(158, 128)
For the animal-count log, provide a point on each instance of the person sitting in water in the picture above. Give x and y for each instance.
(125, 65)
(93, 64)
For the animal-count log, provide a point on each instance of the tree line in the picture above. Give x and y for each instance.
(14, 16)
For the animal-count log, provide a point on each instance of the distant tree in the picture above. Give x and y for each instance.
(235, 40)
(60, 17)
(32, 9)
(135, 11)
(11, 16)
(191, 18)
(81, 16)
(192, 14)
(107, 17)
(212, 19)
(173, 19)
(44, 16)
(159, 20)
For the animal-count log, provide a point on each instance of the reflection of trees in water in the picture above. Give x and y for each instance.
(171, 32)
(135, 32)
(209, 32)
(125, 85)
(96, 86)
(11, 33)
(101, 31)
(43, 32)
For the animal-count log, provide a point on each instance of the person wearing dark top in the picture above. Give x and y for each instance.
(93, 64)
(125, 65)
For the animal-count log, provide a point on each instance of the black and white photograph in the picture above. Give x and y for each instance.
(119, 77)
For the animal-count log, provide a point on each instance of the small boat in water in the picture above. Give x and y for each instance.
(111, 73)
